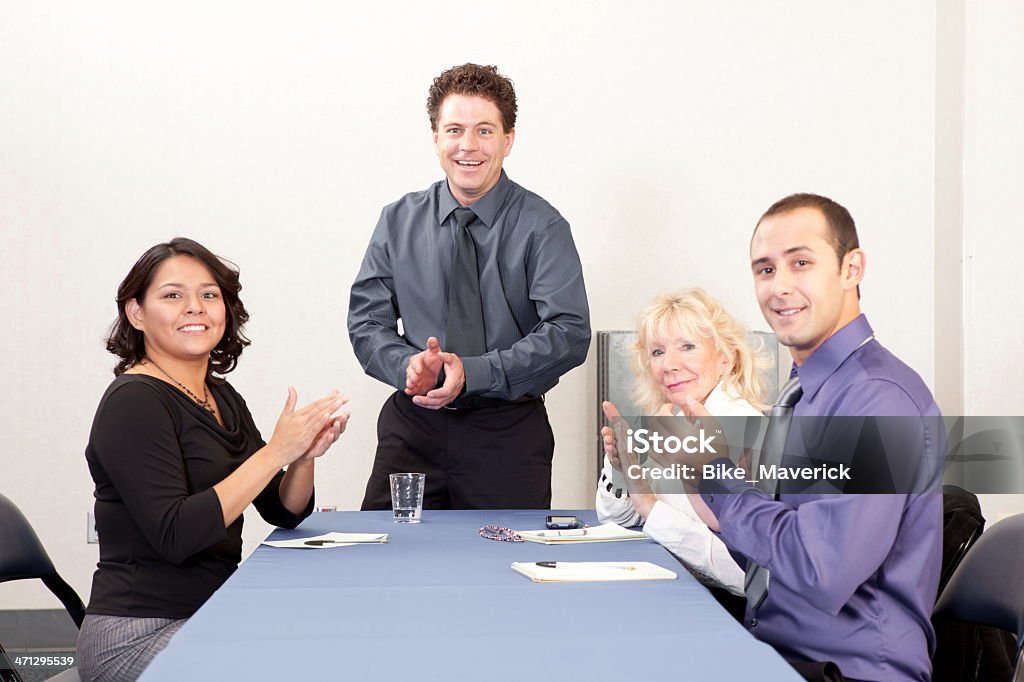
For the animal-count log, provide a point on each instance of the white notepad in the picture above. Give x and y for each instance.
(609, 532)
(591, 571)
(328, 540)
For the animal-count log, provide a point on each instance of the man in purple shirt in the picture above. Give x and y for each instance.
(853, 577)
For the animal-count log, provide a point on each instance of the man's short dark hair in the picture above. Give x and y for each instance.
(473, 79)
(842, 230)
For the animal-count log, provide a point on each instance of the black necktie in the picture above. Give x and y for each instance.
(464, 331)
(755, 583)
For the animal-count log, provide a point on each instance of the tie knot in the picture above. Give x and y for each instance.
(464, 217)
(790, 393)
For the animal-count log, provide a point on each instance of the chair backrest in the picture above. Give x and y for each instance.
(22, 557)
(962, 523)
(988, 585)
(615, 372)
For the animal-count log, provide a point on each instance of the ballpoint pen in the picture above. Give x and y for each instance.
(321, 543)
(555, 564)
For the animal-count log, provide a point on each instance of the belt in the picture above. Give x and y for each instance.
(475, 402)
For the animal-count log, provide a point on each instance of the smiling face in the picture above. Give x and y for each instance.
(685, 365)
(804, 293)
(182, 314)
(471, 145)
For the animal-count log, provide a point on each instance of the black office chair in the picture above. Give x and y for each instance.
(962, 525)
(988, 588)
(22, 557)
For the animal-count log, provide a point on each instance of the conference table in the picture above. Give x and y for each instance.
(439, 602)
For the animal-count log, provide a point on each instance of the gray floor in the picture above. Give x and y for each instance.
(41, 673)
(38, 633)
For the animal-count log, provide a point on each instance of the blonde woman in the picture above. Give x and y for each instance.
(688, 348)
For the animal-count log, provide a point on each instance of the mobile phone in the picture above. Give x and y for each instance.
(562, 522)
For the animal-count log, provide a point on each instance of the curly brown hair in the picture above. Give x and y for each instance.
(473, 79)
(129, 344)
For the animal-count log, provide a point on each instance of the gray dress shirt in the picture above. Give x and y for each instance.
(536, 317)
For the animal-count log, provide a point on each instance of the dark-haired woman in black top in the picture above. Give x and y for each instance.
(176, 457)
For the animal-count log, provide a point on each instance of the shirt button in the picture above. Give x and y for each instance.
(711, 498)
(753, 622)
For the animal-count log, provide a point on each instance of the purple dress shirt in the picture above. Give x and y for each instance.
(853, 577)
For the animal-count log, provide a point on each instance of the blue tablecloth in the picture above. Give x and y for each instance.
(438, 602)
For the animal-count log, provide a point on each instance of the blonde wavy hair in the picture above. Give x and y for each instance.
(696, 313)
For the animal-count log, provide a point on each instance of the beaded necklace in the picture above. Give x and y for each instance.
(203, 403)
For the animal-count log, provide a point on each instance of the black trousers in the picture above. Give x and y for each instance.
(484, 458)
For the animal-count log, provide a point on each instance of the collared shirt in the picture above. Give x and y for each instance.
(536, 317)
(853, 577)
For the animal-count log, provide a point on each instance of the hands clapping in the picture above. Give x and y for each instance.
(694, 419)
(309, 432)
(423, 371)
(695, 416)
(610, 434)
(619, 456)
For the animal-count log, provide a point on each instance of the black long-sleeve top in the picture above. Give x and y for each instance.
(155, 456)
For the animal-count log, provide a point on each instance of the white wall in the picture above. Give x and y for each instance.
(994, 154)
(993, 229)
(274, 133)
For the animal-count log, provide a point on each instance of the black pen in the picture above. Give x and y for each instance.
(320, 543)
(599, 565)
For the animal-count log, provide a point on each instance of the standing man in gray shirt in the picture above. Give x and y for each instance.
(487, 283)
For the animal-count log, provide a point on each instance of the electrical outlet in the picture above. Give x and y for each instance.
(91, 536)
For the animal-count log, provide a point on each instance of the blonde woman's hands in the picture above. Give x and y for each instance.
(608, 434)
(697, 426)
(300, 433)
(616, 449)
(666, 410)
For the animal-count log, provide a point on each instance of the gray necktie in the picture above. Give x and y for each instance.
(464, 331)
(755, 584)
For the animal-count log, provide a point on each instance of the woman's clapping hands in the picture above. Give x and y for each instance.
(309, 432)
